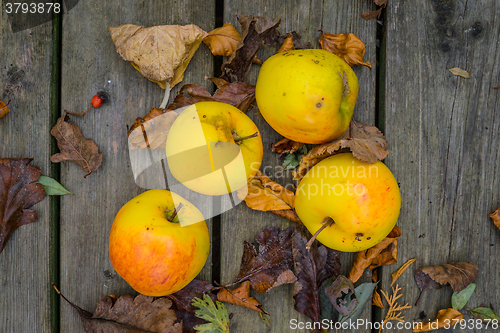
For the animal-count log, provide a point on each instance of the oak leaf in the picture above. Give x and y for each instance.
(444, 318)
(496, 218)
(222, 41)
(347, 46)
(312, 267)
(267, 195)
(74, 147)
(160, 53)
(366, 143)
(271, 266)
(18, 192)
(4, 109)
(240, 296)
(255, 31)
(140, 314)
(458, 276)
(384, 253)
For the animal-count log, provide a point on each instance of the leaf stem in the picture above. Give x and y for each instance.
(164, 103)
(328, 221)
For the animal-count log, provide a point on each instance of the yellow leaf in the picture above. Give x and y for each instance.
(160, 53)
(401, 269)
(222, 41)
(445, 317)
(459, 72)
(347, 46)
(4, 109)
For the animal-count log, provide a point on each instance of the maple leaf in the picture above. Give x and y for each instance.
(4, 109)
(223, 41)
(347, 46)
(240, 296)
(458, 276)
(129, 314)
(272, 265)
(496, 218)
(444, 318)
(384, 253)
(18, 192)
(216, 315)
(366, 143)
(312, 267)
(74, 147)
(255, 30)
(267, 195)
(161, 53)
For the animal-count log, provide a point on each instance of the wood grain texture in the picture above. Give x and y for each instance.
(242, 223)
(443, 133)
(91, 64)
(25, 75)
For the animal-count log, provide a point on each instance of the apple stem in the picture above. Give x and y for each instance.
(79, 114)
(238, 139)
(328, 221)
(176, 210)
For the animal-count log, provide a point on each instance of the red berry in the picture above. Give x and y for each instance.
(98, 100)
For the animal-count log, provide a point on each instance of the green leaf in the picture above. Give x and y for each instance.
(363, 294)
(326, 307)
(266, 319)
(51, 186)
(484, 313)
(290, 162)
(217, 316)
(458, 300)
(302, 150)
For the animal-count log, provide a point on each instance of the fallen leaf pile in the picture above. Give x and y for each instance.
(18, 192)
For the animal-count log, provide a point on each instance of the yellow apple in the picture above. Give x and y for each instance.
(150, 250)
(307, 95)
(362, 199)
(213, 148)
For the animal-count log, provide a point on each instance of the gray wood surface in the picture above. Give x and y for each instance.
(242, 223)
(25, 74)
(444, 142)
(88, 66)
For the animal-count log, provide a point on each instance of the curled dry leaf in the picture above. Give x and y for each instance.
(377, 300)
(371, 15)
(288, 44)
(379, 255)
(459, 72)
(267, 195)
(445, 317)
(4, 109)
(496, 218)
(312, 267)
(272, 265)
(255, 30)
(160, 53)
(347, 46)
(114, 315)
(401, 269)
(222, 41)
(366, 143)
(458, 276)
(336, 293)
(286, 146)
(152, 130)
(18, 192)
(74, 147)
(240, 296)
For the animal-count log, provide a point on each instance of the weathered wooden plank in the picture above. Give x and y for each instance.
(25, 76)
(242, 223)
(89, 66)
(443, 135)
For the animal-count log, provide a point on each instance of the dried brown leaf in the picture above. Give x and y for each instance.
(445, 317)
(18, 192)
(146, 132)
(74, 147)
(288, 44)
(312, 267)
(347, 46)
(161, 53)
(458, 276)
(496, 218)
(4, 109)
(459, 72)
(371, 256)
(272, 265)
(286, 146)
(255, 30)
(371, 15)
(377, 300)
(381, 3)
(336, 293)
(240, 296)
(222, 41)
(140, 314)
(366, 143)
(401, 270)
